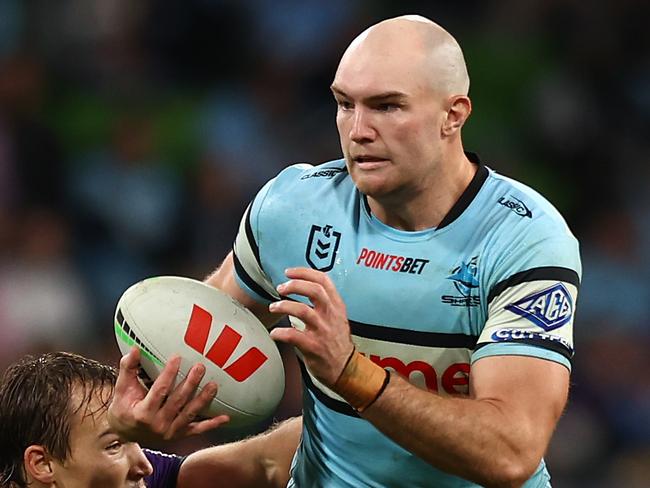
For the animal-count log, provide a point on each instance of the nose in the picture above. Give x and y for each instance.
(361, 130)
(140, 467)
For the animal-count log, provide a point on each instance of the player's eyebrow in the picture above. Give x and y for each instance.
(106, 432)
(380, 97)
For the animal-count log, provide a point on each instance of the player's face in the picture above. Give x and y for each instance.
(389, 120)
(100, 458)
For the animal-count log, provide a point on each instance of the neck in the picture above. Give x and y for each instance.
(427, 203)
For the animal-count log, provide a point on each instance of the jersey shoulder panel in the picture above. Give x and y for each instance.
(527, 231)
(532, 273)
(269, 219)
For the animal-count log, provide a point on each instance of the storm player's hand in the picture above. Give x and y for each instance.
(163, 412)
(325, 343)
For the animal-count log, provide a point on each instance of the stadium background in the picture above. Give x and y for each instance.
(133, 134)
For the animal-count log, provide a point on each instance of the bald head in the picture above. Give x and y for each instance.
(417, 47)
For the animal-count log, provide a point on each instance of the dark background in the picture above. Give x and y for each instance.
(133, 134)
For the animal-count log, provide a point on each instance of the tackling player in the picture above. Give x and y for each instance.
(56, 432)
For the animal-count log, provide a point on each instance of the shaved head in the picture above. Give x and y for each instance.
(422, 48)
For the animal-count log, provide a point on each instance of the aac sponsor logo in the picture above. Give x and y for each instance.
(454, 379)
(391, 262)
(196, 336)
(466, 282)
(550, 309)
(327, 173)
(322, 246)
(516, 205)
(505, 335)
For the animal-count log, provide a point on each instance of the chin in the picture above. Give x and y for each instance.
(374, 189)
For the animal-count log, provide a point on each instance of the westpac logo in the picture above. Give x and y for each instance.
(196, 336)
(550, 309)
(322, 246)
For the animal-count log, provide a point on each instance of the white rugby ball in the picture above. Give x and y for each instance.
(174, 315)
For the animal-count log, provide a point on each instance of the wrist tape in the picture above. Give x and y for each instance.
(361, 381)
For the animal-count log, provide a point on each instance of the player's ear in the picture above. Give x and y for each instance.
(460, 106)
(38, 464)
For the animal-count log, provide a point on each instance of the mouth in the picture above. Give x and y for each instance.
(369, 162)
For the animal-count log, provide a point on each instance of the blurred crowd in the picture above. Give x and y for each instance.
(134, 134)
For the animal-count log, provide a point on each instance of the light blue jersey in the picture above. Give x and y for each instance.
(499, 276)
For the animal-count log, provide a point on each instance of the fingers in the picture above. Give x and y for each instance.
(288, 307)
(314, 291)
(127, 377)
(192, 409)
(162, 386)
(206, 425)
(291, 336)
(311, 275)
(183, 393)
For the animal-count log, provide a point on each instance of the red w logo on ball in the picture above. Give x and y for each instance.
(196, 336)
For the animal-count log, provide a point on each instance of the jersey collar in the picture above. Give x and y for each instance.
(465, 199)
(470, 192)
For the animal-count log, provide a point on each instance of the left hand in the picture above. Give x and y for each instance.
(163, 412)
(325, 343)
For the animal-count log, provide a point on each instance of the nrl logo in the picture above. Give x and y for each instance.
(322, 246)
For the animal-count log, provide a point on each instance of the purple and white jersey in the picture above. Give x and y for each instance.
(165, 469)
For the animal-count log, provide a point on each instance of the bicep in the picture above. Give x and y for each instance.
(224, 279)
(532, 392)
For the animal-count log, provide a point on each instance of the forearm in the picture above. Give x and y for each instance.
(473, 439)
(260, 461)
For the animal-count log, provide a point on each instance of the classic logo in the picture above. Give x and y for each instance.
(196, 336)
(465, 280)
(516, 205)
(327, 173)
(322, 246)
(550, 309)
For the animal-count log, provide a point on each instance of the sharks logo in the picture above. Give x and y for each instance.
(322, 247)
(465, 279)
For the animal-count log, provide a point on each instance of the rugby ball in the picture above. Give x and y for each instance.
(169, 315)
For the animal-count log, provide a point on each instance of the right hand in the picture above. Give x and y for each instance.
(163, 412)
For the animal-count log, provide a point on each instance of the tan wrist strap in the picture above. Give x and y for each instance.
(361, 381)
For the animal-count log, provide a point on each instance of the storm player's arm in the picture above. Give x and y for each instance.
(497, 437)
(261, 461)
(224, 279)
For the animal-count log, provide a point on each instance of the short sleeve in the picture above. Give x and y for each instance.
(532, 303)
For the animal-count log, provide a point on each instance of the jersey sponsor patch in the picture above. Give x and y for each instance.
(549, 309)
(391, 262)
(528, 336)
